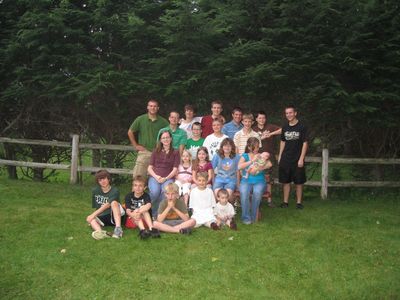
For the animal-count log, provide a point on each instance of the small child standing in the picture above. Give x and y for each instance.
(202, 201)
(184, 178)
(138, 208)
(202, 164)
(224, 211)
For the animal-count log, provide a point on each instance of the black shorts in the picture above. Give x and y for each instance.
(108, 220)
(292, 173)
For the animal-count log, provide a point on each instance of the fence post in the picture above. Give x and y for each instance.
(324, 174)
(74, 159)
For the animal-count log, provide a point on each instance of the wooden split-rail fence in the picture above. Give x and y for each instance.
(74, 166)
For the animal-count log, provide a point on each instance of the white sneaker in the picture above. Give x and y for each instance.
(99, 235)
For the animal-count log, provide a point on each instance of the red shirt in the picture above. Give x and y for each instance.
(206, 126)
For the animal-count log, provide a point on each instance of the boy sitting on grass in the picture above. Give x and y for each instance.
(138, 208)
(173, 216)
(105, 198)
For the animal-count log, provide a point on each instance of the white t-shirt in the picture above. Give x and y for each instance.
(202, 202)
(212, 144)
(224, 211)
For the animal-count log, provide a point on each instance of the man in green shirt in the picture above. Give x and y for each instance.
(143, 136)
(179, 136)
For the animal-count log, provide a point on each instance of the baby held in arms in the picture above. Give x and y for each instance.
(260, 163)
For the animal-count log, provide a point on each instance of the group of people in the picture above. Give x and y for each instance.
(193, 166)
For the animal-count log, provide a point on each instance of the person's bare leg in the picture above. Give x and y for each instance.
(286, 192)
(299, 193)
(116, 213)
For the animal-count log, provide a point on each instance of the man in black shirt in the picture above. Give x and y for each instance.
(293, 148)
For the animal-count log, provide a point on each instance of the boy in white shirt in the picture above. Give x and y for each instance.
(202, 202)
(213, 141)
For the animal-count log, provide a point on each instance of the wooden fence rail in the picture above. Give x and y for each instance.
(74, 167)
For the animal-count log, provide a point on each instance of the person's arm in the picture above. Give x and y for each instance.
(172, 174)
(210, 175)
(304, 148)
(244, 164)
(181, 215)
(144, 208)
(270, 134)
(181, 148)
(194, 177)
(152, 173)
(281, 148)
(161, 217)
(133, 141)
(98, 211)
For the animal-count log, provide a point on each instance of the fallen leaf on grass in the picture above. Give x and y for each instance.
(70, 238)
(214, 259)
(63, 251)
(377, 222)
(230, 238)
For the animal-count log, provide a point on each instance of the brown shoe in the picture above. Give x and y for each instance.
(214, 226)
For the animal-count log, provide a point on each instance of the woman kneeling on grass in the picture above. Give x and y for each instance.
(105, 198)
(173, 216)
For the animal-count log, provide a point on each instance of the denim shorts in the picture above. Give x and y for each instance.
(224, 183)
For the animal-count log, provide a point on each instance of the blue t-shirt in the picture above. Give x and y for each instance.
(226, 167)
(231, 128)
(260, 177)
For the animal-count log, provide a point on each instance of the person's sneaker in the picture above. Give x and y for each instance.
(233, 225)
(185, 231)
(214, 226)
(284, 205)
(99, 235)
(271, 204)
(117, 233)
(155, 233)
(144, 234)
(299, 206)
(99, 222)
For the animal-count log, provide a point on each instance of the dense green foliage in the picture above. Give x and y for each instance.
(346, 248)
(89, 66)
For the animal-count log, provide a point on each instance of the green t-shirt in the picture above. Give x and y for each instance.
(147, 130)
(172, 215)
(179, 136)
(99, 198)
(192, 146)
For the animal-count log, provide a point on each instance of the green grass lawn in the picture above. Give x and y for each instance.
(345, 248)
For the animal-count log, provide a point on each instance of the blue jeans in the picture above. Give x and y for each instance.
(156, 194)
(250, 215)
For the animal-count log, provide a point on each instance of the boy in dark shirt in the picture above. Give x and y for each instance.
(293, 149)
(138, 208)
(105, 198)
